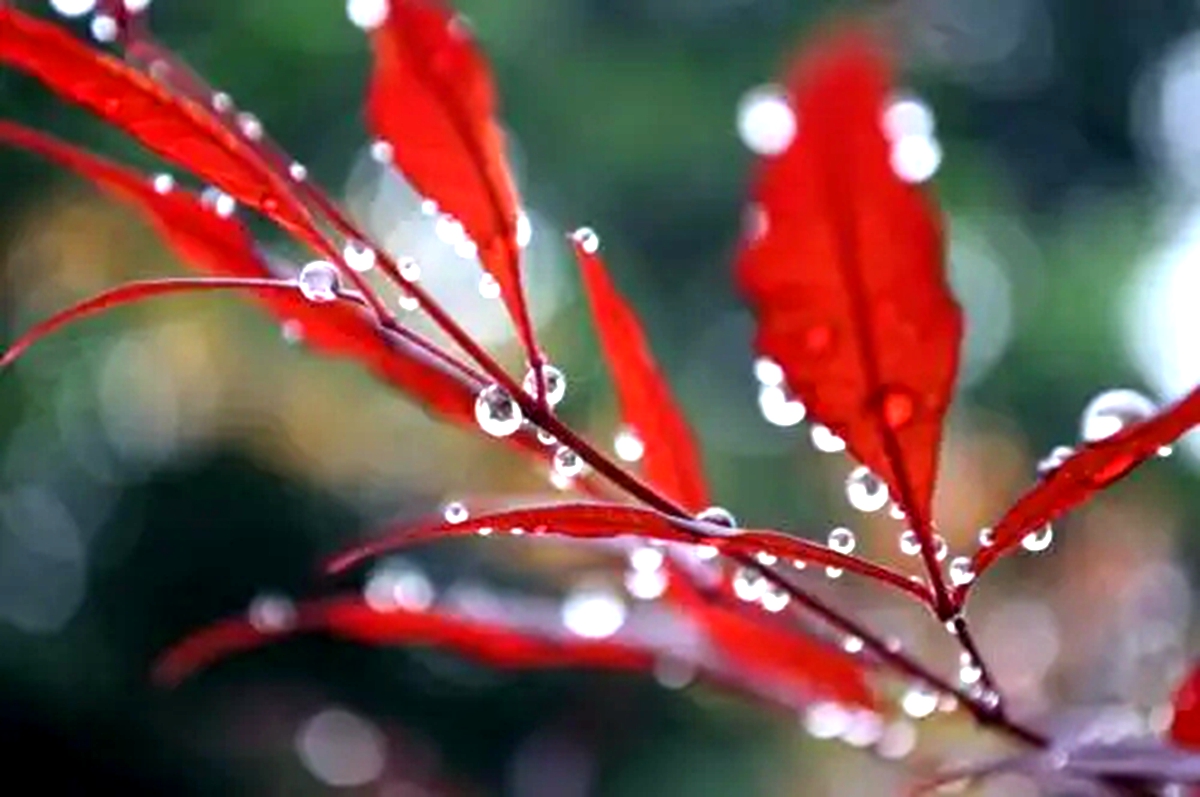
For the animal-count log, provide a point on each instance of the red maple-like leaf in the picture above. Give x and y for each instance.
(842, 264)
(1088, 471)
(171, 126)
(432, 100)
(671, 460)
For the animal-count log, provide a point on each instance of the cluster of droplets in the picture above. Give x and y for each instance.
(777, 406)
(910, 545)
(861, 728)
(395, 585)
(908, 124)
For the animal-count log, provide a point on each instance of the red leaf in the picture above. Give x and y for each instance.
(173, 127)
(1185, 722)
(1091, 469)
(351, 618)
(844, 271)
(223, 247)
(608, 521)
(432, 99)
(671, 460)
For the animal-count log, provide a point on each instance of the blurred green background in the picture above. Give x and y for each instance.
(162, 466)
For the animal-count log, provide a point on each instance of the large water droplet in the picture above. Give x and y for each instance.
(318, 281)
(628, 445)
(587, 239)
(73, 8)
(865, 491)
(496, 412)
(825, 441)
(271, 613)
(718, 516)
(842, 540)
(367, 14)
(1038, 541)
(961, 573)
(554, 379)
(910, 543)
(779, 409)
(1112, 411)
(766, 122)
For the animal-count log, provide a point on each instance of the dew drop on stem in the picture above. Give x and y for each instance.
(567, 463)
(358, 256)
(497, 413)
(1038, 541)
(587, 239)
(910, 543)
(865, 491)
(554, 379)
(318, 281)
(1112, 411)
(718, 516)
(825, 441)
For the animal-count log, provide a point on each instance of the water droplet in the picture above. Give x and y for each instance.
(834, 572)
(222, 102)
(896, 512)
(766, 123)
(910, 543)
(969, 673)
(799, 564)
(852, 644)
(407, 302)
(554, 379)
(646, 584)
(842, 540)
(271, 613)
(1165, 451)
(825, 441)
(897, 405)
(1112, 411)
(755, 222)
(768, 372)
(73, 8)
(358, 256)
(718, 516)
(104, 28)
(628, 445)
(545, 438)
(367, 14)
(587, 239)
(396, 584)
(646, 557)
(489, 287)
(749, 584)
(567, 462)
(136, 6)
(908, 116)
(919, 701)
(497, 413)
(987, 537)
(318, 281)
(382, 152)
(163, 183)
(961, 572)
(865, 491)
(778, 408)
(774, 598)
(250, 126)
(940, 547)
(409, 269)
(705, 552)
(593, 612)
(455, 512)
(485, 531)
(524, 231)
(1054, 460)
(1038, 541)
(915, 159)
(466, 249)
(765, 558)
(298, 171)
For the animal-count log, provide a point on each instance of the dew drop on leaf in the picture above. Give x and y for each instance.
(1038, 541)
(908, 116)
(865, 491)
(718, 516)
(455, 512)
(628, 445)
(318, 281)
(545, 438)
(842, 540)
(774, 598)
(765, 558)
(104, 28)
(397, 584)
(222, 102)
(567, 463)
(940, 547)
(834, 572)
(1111, 411)
(298, 171)
(779, 409)
(497, 413)
(587, 239)
(915, 159)
(382, 152)
(1054, 460)
(749, 584)
(407, 302)
(768, 372)
(163, 183)
(250, 126)
(825, 441)
(271, 613)
(852, 644)
(766, 123)
(555, 381)
(987, 537)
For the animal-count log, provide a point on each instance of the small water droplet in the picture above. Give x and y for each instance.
(916, 158)
(524, 230)
(718, 516)
(554, 379)
(961, 572)
(969, 673)
(919, 701)
(318, 281)
(628, 445)
(825, 441)
(987, 537)
(834, 572)
(768, 372)
(497, 413)
(1038, 541)
(163, 183)
(1054, 460)
(104, 28)
(298, 171)
(799, 564)
(852, 644)
(587, 239)
(567, 462)
(865, 491)
(646, 584)
(842, 540)
(940, 548)
(778, 408)
(73, 8)
(1165, 451)
(908, 116)
(271, 613)
(1111, 411)
(382, 152)
(358, 256)
(545, 438)
(485, 531)
(910, 543)
(489, 287)
(646, 557)
(896, 512)
(455, 512)
(407, 302)
(409, 269)
(367, 14)
(766, 558)
(222, 102)
(250, 126)
(748, 584)
(398, 585)
(774, 598)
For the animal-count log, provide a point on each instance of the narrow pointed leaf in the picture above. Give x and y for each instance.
(171, 126)
(671, 460)
(1088, 471)
(1185, 717)
(432, 99)
(842, 265)
(608, 521)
